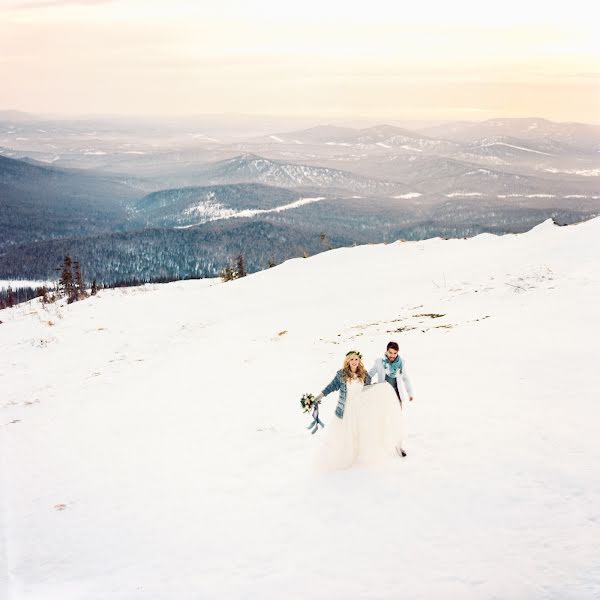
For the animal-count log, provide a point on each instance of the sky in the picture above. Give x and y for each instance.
(335, 58)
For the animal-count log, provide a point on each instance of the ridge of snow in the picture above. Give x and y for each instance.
(202, 136)
(584, 172)
(517, 147)
(408, 196)
(454, 194)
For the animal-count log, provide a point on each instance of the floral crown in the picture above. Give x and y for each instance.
(354, 352)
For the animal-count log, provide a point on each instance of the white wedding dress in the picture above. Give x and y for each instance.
(369, 432)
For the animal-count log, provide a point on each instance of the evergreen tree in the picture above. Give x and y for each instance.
(42, 294)
(228, 273)
(235, 269)
(10, 298)
(240, 267)
(94, 287)
(66, 285)
(79, 286)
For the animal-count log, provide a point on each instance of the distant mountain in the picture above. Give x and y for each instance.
(434, 176)
(396, 137)
(250, 168)
(414, 168)
(40, 202)
(313, 135)
(495, 183)
(383, 136)
(512, 148)
(193, 205)
(580, 136)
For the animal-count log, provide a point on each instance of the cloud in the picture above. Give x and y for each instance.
(32, 4)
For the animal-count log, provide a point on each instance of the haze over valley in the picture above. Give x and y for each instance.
(176, 198)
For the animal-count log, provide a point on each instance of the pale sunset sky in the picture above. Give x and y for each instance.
(336, 58)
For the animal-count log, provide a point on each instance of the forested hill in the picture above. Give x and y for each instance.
(42, 202)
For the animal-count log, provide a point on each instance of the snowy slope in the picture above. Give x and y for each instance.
(153, 445)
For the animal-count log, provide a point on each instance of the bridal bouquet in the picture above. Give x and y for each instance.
(309, 404)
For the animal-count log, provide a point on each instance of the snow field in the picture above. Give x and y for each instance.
(153, 444)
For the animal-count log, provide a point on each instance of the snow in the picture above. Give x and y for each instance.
(517, 147)
(408, 196)
(583, 172)
(411, 148)
(210, 211)
(202, 136)
(277, 139)
(382, 145)
(153, 446)
(530, 196)
(23, 283)
(484, 171)
(291, 205)
(463, 194)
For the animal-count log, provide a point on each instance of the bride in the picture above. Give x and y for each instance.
(368, 423)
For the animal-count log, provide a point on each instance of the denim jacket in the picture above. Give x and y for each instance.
(338, 383)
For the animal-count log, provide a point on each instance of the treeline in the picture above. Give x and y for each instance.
(71, 284)
(9, 297)
(160, 255)
(168, 254)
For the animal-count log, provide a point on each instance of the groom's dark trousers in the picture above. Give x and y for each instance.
(394, 383)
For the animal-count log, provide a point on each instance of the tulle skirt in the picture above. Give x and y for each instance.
(370, 431)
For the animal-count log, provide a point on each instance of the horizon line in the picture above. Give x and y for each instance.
(382, 119)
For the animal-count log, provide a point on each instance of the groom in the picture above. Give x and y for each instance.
(390, 368)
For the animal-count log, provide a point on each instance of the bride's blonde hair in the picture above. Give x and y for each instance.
(361, 371)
